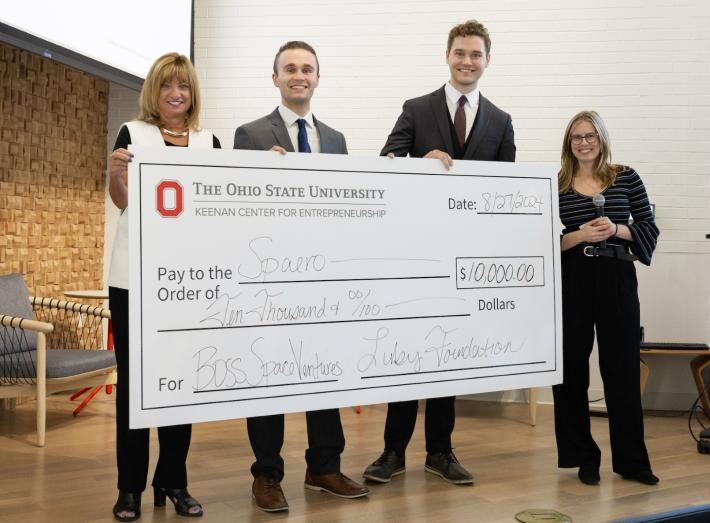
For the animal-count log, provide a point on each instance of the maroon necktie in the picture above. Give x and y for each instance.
(460, 122)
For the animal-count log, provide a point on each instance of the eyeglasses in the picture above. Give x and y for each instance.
(590, 138)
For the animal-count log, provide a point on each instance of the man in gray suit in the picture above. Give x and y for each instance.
(454, 122)
(292, 127)
(281, 130)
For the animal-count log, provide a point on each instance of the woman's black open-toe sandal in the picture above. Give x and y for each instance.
(127, 507)
(185, 505)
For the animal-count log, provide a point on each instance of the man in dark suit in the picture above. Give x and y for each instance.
(454, 122)
(292, 127)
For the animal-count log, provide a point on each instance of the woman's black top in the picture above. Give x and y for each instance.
(625, 199)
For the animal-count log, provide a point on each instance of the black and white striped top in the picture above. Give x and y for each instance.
(626, 198)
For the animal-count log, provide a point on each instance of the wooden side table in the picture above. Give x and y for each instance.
(702, 359)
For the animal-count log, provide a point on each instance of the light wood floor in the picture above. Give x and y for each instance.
(73, 478)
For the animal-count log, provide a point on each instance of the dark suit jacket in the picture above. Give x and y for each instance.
(264, 133)
(424, 126)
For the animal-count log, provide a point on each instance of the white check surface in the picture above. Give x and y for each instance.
(303, 282)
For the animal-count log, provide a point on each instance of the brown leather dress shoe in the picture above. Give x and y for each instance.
(268, 495)
(337, 484)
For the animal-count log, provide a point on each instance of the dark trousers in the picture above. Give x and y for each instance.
(439, 419)
(600, 292)
(326, 443)
(132, 445)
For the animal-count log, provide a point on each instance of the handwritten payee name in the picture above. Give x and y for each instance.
(260, 264)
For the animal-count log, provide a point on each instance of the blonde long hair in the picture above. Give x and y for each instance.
(164, 69)
(603, 168)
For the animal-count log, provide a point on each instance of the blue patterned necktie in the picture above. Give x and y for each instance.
(303, 146)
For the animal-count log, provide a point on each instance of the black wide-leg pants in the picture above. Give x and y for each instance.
(132, 446)
(600, 292)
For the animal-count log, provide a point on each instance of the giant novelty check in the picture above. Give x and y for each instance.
(265, 284)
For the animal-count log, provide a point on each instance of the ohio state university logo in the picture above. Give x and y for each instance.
(169, 198)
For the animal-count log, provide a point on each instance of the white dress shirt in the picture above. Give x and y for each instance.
(289, 118)
(470, 108)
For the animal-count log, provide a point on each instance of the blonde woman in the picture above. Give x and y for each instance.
(169, 116)
(599, 293)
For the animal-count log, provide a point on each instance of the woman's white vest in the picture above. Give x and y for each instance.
(149, 136)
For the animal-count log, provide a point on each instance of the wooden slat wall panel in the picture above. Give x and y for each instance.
(52, 164)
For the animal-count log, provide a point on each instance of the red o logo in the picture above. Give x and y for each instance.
(168, 198)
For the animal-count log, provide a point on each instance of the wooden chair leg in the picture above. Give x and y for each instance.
(532, 403)
(41, 417)
(696, 367)
(645, 371)
(41, 388)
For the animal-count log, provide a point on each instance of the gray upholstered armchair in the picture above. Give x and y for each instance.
(45, 346)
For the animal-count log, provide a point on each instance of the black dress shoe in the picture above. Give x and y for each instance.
(445, 465)
(387, 465)
(589, 474)
(128, 506)
(642, 476)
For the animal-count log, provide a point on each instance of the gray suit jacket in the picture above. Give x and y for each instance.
(264, 133)
(424, 126)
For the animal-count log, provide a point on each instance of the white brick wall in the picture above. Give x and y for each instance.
(122, 107)
(644, 65)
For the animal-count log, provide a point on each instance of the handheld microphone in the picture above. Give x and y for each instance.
(598, 202)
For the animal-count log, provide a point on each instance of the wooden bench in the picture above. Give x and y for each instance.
(701, 359)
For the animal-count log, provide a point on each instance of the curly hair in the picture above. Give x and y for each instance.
(469, 28)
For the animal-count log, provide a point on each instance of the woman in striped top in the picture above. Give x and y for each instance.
(599, 292)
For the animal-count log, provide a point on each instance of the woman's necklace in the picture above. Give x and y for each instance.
(174, 134)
